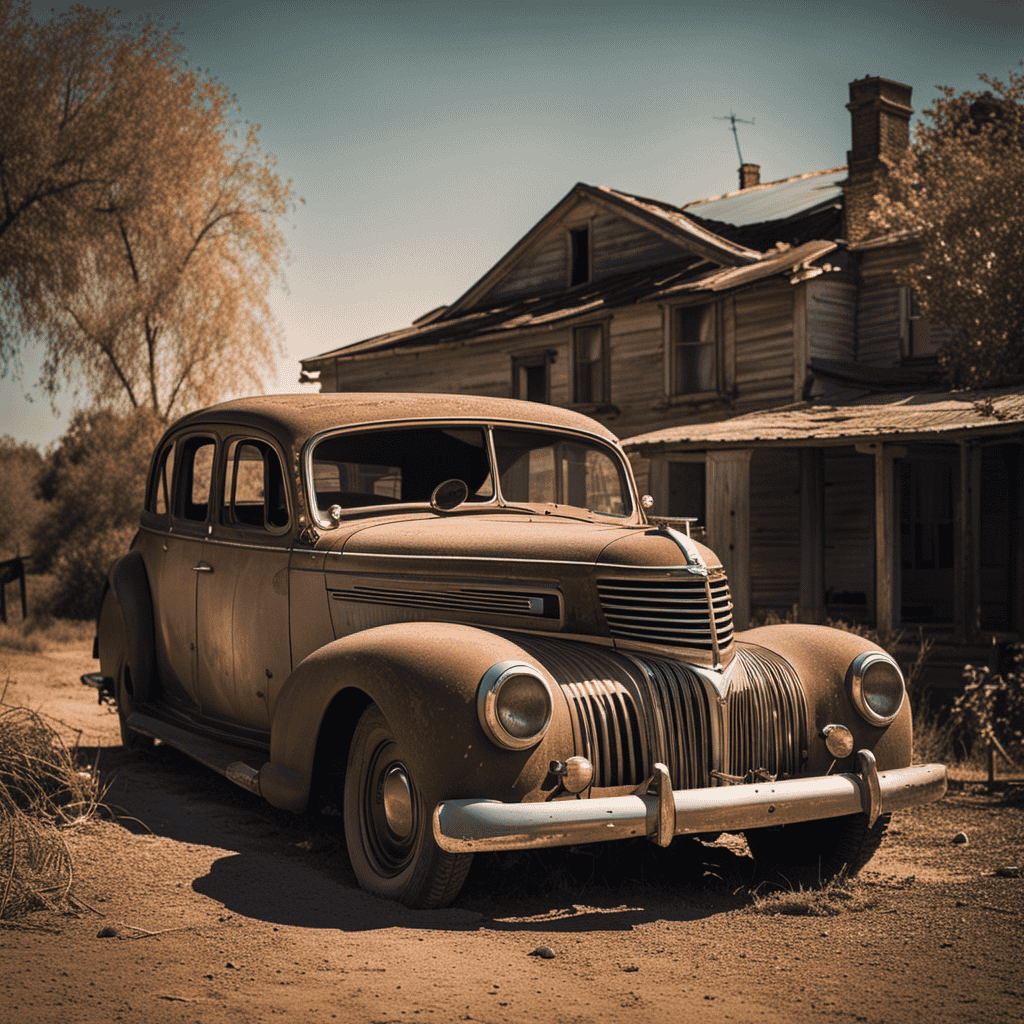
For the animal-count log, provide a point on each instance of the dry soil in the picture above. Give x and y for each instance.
(214, 907)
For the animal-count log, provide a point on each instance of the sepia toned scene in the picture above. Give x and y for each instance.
(511, 512)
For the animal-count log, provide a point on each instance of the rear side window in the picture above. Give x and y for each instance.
(254, 494)
(194, 479)
(158, 500)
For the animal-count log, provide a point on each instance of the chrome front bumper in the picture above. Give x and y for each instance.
(468, 826)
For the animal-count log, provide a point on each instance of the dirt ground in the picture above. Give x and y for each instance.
(220, 908)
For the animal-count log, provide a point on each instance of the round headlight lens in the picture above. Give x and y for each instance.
(514, 705)
(876, 687)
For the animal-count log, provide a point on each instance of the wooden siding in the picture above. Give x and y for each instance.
(849, 535)
(831, 319)
(617, 245)
(764, 347)
(879, 315)
(485, 370)
(774, 529)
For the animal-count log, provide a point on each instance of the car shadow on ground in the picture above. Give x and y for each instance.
(293, 869)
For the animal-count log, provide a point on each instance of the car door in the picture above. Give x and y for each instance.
(176, 563)
(242, 597)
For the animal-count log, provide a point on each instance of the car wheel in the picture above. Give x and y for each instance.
(387, 823)
(132, 741)
(810, 854)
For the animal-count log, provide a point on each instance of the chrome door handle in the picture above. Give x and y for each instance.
(202, 567)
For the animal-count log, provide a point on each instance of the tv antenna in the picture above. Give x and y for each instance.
(733, 121)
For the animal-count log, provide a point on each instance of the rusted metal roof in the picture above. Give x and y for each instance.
(774, 200)
(687, 275)
(909, 416)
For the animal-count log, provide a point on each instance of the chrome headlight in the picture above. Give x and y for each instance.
(876, 687)
(514, 705)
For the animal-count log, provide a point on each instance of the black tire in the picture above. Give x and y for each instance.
(132, 741)
(811, 854)
(391, 845)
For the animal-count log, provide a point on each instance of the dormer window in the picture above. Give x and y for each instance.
(579, 255)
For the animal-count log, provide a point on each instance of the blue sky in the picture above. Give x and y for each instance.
(427, 137)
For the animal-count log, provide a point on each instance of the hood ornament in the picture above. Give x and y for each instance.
(694, 563)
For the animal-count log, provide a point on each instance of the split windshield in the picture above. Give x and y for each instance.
(405, 464)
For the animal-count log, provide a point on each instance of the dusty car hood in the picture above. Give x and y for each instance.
(517, 538)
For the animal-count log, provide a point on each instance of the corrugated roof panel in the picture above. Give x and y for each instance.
(776, 200)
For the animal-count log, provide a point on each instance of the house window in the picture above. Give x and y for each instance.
(590, 363)
(531, 378)
(579, 255)
(694, 351)
(922, 338)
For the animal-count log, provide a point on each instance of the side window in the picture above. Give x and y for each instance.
(194, 477)
(694, 350)
(590, 365)
(254, 490)
(158, 500)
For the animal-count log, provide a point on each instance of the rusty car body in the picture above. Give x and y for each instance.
(449, 620)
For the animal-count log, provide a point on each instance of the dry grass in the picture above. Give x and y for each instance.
(840, 896)
(42, 793)
(44, 633)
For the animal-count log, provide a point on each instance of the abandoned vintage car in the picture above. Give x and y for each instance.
(449, 620)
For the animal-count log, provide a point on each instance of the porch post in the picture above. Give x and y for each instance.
(886, 612)
(967, 554)
(728, 523)
(812, 545)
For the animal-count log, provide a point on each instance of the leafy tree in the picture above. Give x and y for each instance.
(93, 484)
(139, 228)
(20, 507)
(958, 193)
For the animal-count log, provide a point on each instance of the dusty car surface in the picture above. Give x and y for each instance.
(448, 620)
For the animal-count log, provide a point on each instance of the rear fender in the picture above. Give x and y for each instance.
(125, 625)
(424, 678)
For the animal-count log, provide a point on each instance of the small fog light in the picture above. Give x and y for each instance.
(576, 773)
(839, 740)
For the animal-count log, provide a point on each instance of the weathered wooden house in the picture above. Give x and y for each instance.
(769, 377)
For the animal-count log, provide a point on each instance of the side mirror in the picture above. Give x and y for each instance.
(448, 495)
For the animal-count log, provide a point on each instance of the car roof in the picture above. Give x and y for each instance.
(294, 418)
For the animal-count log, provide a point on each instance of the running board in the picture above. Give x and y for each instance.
(223, 758)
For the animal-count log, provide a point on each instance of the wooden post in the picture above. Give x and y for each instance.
(812, 543)
(886, 612)
(967, 561)
(728, 523)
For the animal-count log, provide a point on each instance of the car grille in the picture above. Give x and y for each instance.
(630, 711)
(693, 612)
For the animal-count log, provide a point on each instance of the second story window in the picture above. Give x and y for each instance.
(590, 365)
(922, 338)
(694, 351)
(579, 256)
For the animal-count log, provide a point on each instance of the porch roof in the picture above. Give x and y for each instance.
(937, 416)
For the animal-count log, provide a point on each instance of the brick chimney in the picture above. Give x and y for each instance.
(750, 174)
(880, 133)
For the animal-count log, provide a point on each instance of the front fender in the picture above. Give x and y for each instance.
(821, 655)
(424, 678)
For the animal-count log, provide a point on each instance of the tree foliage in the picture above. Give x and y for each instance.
(139, 232)
(958, 193)
(93, 483)
(21, 465)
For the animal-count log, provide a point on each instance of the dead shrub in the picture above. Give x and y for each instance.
(42, 793)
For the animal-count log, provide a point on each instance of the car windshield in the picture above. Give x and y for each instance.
(405, 464)
(542, 467)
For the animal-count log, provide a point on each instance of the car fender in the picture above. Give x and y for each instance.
(424, 677)
(821, 656)
(129, 632)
